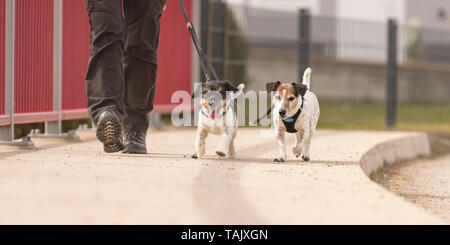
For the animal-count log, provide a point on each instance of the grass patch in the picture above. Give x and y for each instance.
(351, 115)
(368, 115)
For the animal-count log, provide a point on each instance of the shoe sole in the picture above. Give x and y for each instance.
(109, 132)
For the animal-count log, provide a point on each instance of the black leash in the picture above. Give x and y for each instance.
(257, 121)
(206, 66)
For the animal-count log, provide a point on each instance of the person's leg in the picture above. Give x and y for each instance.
(104, 78)
(140, 66)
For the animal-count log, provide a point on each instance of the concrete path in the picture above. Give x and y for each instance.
(67, 183)
(424, 182)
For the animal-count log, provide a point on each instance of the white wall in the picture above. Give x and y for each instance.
(427, 11)
(361, 25)
(282, 5)
(371, 10)
(362, 28)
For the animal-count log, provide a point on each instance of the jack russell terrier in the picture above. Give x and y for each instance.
(217, 116)
(296, 110)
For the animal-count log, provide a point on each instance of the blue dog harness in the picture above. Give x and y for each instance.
(289, 123)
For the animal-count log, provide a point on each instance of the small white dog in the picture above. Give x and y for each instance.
(217, 116)
(296, 110)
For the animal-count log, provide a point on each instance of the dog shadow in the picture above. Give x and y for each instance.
(289, 161)
(237, 160)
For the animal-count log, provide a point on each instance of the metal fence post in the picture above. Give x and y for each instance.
(197, 22)
(391, 86)
(55, 128)
(7, 132)
(304, 35)
(218, 37)
(204, 32)
(213, 34)
(226, 43)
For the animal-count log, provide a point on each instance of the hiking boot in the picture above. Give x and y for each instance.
(109, 132)
(135, 142)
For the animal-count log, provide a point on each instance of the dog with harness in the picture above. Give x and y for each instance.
(295, 110)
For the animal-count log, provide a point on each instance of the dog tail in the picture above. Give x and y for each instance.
(307, 78)
(241, 87)
(240, 90)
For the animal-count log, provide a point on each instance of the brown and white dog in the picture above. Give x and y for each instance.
(217, 116)
(296, 110)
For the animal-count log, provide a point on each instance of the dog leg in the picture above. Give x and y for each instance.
(298, 148)
(306, 144)
(224, 147)
(231, 151)
(200, 143)
(282, 146)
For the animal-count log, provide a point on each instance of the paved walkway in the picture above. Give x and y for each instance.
(75, 183)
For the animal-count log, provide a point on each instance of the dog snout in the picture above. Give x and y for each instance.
(282, 113)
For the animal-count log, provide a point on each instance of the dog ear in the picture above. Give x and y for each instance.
(300, 89)
(272, 86)
(231, 87)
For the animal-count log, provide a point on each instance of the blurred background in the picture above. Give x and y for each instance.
(376, 64)
(346, 43)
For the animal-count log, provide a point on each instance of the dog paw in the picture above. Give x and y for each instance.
(305, 158)
(194, 156)
(278, 160)
(297, 151)
(220, 154)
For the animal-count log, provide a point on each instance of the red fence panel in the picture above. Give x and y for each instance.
(75, 57)
(174, 70)
(2, 57)
(34, 37)
(175, 56)
(33, 57)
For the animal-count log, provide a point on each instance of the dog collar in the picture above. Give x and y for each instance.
(289, 123)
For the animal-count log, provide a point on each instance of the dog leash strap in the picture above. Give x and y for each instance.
(269, 111)
(206, 66)
(263, 116)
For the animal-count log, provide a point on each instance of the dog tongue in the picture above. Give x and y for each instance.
(213, 115)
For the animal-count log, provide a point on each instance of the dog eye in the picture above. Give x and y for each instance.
(291, 98)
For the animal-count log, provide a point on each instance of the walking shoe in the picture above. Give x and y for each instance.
(135, 142)
(109, 132)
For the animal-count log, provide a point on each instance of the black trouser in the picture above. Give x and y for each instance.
(122, 67)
